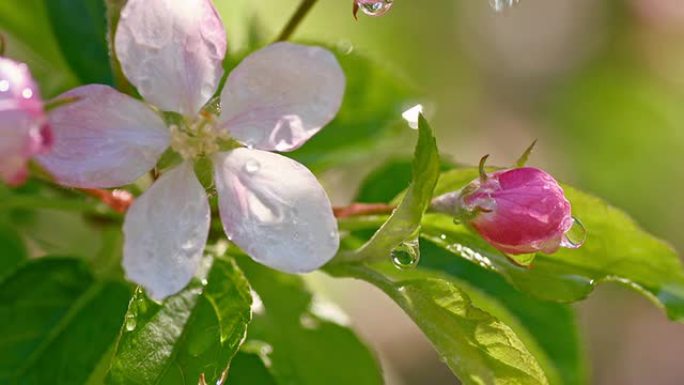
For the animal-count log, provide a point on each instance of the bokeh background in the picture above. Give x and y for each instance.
(600, 84)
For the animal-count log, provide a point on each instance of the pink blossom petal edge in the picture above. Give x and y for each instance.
(275, 210)
(104, 139)
(172, 51)
(165, 232)
(281, 95)
(23, 129)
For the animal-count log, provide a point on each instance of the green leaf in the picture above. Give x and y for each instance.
(299, 338)
(368, 125)
(249, 369)
(195, 332)
(405, 220)
(81, 30)
(57, 322)
(12, 251)
(550, 326)
(31, 39)
(479, 348)
(616, 250)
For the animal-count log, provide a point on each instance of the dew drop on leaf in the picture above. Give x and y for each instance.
(407, 254)
(576, 236)
(130, 322)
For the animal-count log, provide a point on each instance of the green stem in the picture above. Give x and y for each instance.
(299, 15)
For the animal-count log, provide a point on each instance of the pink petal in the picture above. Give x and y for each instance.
(23, 132)
(172, 51)
(105, 139)
(165, 233)
(275, 210)
(530, 213)
(282, 95)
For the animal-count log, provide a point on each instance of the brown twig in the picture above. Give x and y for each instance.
(359, 209)
(119, 200)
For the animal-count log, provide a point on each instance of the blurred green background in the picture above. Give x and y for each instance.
(599, 83)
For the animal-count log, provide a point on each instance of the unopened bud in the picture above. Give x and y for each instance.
(518, 211)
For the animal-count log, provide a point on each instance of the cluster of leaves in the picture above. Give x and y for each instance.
(70, 317)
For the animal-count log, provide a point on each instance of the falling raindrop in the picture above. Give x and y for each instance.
(407, 254)
(375, 7)
(576, 236)
(252, 166)
(501, 5)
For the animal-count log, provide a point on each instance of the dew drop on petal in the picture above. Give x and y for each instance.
(27, 93)
(501, 5)
(4, 85)
(375, 7)
(252, 166)
(407, 254)
(575, 236)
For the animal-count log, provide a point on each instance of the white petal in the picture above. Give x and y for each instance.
(165, 233)
(280, 96)
(172, 51)
(105, 139)
(275, 210)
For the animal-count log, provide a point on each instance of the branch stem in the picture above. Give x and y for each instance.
(296, 19)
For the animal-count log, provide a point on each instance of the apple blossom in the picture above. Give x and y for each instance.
(23, 129)
(518, 211)
(275, 100)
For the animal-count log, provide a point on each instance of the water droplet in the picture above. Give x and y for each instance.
(375, 7)
(141, 304)
(576, 236)
(27, 93)
(345, 46)
(4, 86)
(406, 255)
(457, 221)
(130, 322)
(308, 321)
(501, 5)
(252, 166)
(443, 237)
(412, 114)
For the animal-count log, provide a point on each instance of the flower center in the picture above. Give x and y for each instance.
(200, 138)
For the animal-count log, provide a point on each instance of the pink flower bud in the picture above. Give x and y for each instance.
(23, 126)
(518, 211)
